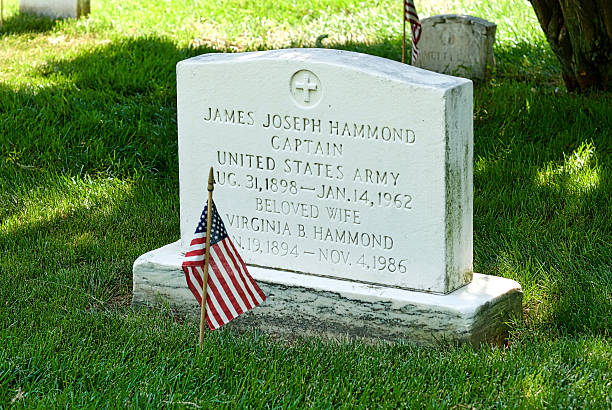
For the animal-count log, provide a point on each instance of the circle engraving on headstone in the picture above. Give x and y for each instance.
(305, 88)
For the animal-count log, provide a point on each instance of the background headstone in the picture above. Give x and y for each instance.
(457, 45)
(55, 8)
(345, 181)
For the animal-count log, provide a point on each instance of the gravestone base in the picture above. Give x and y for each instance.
(305, 305)
(56, 8)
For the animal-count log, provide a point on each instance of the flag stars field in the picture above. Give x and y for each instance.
(232, 290)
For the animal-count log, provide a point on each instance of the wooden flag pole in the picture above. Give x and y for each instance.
(211, 183)
(404, 38)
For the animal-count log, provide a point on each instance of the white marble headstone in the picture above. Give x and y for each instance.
(346, 182)
(457, 45)
(331, 163)
(55, 8)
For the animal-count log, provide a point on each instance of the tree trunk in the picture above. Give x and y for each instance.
(580, 34)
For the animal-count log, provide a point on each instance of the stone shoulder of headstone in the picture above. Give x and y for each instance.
(457, 44)
(463, 18)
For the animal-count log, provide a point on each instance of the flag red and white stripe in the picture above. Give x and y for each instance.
(412, 17)
(231, 289)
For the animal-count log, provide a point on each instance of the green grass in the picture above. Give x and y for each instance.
(89, 181)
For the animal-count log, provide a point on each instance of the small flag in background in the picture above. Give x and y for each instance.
(231, 289)
(411, 16)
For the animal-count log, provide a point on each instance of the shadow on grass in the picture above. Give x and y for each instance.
(135, 67)
(389, 48)
(108, 112)
(73, 241)
(552, 235)
(542, 212)
(22, 23)
(88, 171)
(112, 114)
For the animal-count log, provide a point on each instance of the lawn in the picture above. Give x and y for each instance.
(89, 181)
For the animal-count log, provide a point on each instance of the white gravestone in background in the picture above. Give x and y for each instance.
(55, 8)
(457, 45)
(345, 181)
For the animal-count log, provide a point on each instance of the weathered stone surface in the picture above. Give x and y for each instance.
(457, 45)
(55, 8)
(332, 163)
(304, 305)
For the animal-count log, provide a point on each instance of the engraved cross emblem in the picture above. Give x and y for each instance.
(306, 86)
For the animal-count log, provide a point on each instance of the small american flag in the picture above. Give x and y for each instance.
(411, 16)
(231, 289)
